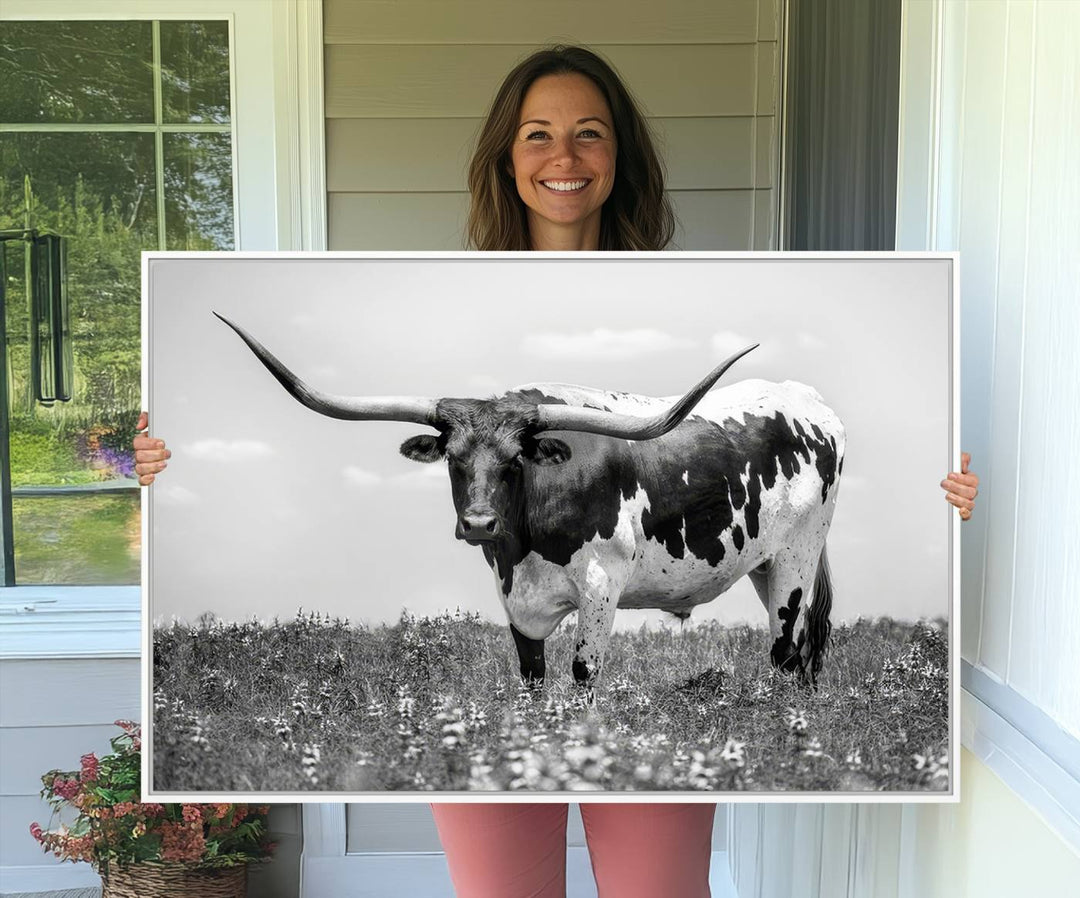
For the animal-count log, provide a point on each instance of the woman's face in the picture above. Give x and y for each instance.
(563, 154)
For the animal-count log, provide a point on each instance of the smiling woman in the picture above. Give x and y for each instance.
(565, 161)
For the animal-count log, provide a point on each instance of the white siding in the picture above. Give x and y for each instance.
(408, 83)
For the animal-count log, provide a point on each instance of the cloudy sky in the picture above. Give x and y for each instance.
(267, 506)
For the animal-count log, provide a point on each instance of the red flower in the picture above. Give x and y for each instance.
(192, 813)
(89, 768)
(66, 789)
(181, 841)
(36, 831)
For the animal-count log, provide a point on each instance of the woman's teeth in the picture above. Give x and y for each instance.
(564, 186)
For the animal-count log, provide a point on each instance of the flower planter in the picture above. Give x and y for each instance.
(174, 881)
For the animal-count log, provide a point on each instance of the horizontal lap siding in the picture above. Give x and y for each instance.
(408, 84)
(419, 81)
(530, 23)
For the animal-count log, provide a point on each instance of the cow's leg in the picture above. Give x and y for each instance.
(531, 655)
(596, 616)
(790, 586)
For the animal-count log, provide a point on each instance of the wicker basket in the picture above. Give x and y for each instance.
(174, 881)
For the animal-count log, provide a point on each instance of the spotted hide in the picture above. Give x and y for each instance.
(745, 486)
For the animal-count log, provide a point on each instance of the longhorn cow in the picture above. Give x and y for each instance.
(637, 503)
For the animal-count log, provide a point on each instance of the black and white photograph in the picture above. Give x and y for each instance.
(438, 523)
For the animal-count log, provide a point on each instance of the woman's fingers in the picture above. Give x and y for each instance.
(962, 487)
(150, 453)
(960, 501)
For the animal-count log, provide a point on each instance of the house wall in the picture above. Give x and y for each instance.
(408, 82)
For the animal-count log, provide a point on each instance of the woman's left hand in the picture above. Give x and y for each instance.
(962, 488)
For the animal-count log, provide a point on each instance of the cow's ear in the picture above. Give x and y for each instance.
(424, 448)
(548, 451)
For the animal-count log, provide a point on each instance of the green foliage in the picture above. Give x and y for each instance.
(435, 703)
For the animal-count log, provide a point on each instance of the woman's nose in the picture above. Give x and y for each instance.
(564, 150)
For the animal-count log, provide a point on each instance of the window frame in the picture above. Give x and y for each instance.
(276, 94)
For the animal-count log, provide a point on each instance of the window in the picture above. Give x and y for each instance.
(118, 136)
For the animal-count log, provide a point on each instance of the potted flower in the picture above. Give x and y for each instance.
(165, 850)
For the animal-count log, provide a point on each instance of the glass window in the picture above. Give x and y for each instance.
(117, 136)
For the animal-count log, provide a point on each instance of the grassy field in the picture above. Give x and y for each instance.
(437, 704)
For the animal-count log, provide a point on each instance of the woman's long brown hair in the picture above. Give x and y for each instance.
(637, 214)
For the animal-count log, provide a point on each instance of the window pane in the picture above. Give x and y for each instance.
(76, 72)
(79, 540)
(98, 191)
(195, 72)
(198, 192)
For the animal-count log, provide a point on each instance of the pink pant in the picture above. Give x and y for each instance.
(519, 850)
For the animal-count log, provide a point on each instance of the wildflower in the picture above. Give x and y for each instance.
(309, 763)
(198, 737)
(734, 753)
(813, 749)
(796, 721)
(854, 758)
(192, 813)
(937, 766)
(139, 829)
(477, 718)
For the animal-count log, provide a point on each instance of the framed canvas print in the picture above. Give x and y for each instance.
(501, 527)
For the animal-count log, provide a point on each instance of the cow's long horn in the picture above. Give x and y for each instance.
(350, 408)
(631, 427)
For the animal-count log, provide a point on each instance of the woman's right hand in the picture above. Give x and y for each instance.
(150, 453)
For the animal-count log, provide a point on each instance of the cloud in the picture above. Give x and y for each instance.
(359, 477)
(603, 343)
(424, 477)
(228, 450)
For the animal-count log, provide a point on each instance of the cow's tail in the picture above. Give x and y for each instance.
(818, 625)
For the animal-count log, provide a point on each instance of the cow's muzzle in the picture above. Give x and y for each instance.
(477, 528)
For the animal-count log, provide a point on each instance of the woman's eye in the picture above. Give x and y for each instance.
(589, 132)
(536, 135)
